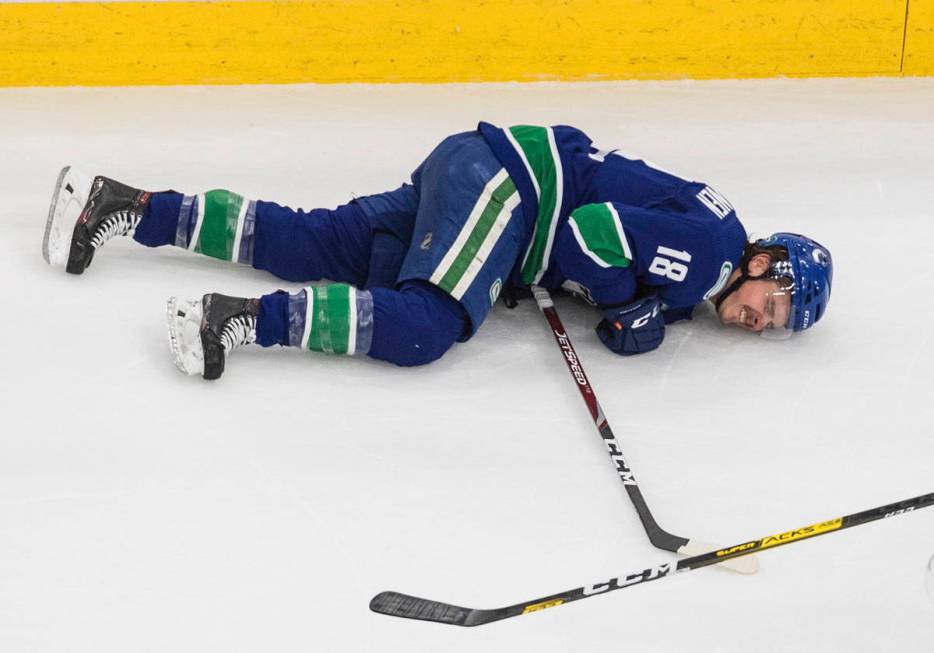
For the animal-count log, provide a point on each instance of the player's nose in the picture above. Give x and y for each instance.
(752, 319)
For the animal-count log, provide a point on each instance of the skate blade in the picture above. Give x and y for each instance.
(68, 200)
(183, 318)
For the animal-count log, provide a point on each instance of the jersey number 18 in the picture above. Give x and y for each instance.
(667, 264)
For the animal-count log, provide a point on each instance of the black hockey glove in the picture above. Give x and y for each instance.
(634, 328)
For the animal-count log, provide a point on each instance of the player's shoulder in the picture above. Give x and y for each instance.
(708, 203)
(712, 213)
(570, 139)
(599, 233)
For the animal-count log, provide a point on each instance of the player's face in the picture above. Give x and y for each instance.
(757, 305)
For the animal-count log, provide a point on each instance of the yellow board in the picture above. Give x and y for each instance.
(919, 38)
(132, 43)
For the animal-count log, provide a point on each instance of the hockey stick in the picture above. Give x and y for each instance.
(411, 607)
(658, 536)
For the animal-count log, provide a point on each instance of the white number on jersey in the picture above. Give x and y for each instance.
(666, 264)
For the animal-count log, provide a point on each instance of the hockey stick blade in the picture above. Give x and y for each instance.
(396, 604)
(413, 607)
(657, 535)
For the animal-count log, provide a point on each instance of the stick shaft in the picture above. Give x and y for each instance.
(656, 534)
(403, 605)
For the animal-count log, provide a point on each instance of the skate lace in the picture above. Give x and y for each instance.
(238, 330)
(115, 224)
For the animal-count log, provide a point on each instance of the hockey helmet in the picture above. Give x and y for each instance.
(809, 271)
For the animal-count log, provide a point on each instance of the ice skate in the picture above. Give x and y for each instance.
(85, 213)
(70, 195)
(203, 332)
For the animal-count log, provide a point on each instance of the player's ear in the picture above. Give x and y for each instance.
(758, 265)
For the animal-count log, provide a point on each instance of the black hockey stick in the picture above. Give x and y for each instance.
(411, 607)
(658, 536)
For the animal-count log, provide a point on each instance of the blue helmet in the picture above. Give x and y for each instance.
(810, 268)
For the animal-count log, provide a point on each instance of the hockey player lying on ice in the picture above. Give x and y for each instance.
(417, 269)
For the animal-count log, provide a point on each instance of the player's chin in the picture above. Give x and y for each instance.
(721, 315)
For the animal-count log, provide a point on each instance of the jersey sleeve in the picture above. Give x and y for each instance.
(592, 252)
(618, 252)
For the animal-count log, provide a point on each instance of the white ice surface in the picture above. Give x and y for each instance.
(141, 510)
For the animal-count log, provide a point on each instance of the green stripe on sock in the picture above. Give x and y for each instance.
(537, 149)
(481, 230)
(330, 319)
(219, 229)
(339, 317)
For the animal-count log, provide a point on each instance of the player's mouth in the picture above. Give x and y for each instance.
(743, 318)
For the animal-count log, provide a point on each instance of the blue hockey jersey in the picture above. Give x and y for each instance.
(610, 228)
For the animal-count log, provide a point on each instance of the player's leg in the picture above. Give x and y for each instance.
(293, 244)
(470, 230)
(413, 325)
(468, 236)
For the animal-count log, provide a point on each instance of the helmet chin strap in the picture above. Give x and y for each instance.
(743, 277)
(732, 288)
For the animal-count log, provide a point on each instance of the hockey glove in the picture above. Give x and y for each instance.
(634, 328)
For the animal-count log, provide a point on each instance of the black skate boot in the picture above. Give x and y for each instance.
(203, 332)
(109, 209)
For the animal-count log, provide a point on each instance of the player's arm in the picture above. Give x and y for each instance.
(631, 261)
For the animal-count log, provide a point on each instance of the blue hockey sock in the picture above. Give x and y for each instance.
(335, 318)
(272, 323)
(411, 326)
(160, 220)
(218, 223)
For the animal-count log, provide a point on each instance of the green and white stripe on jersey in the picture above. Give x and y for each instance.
(477, 238)
(539, 153)
(331, 319)
(599, 233)
(219, 225)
